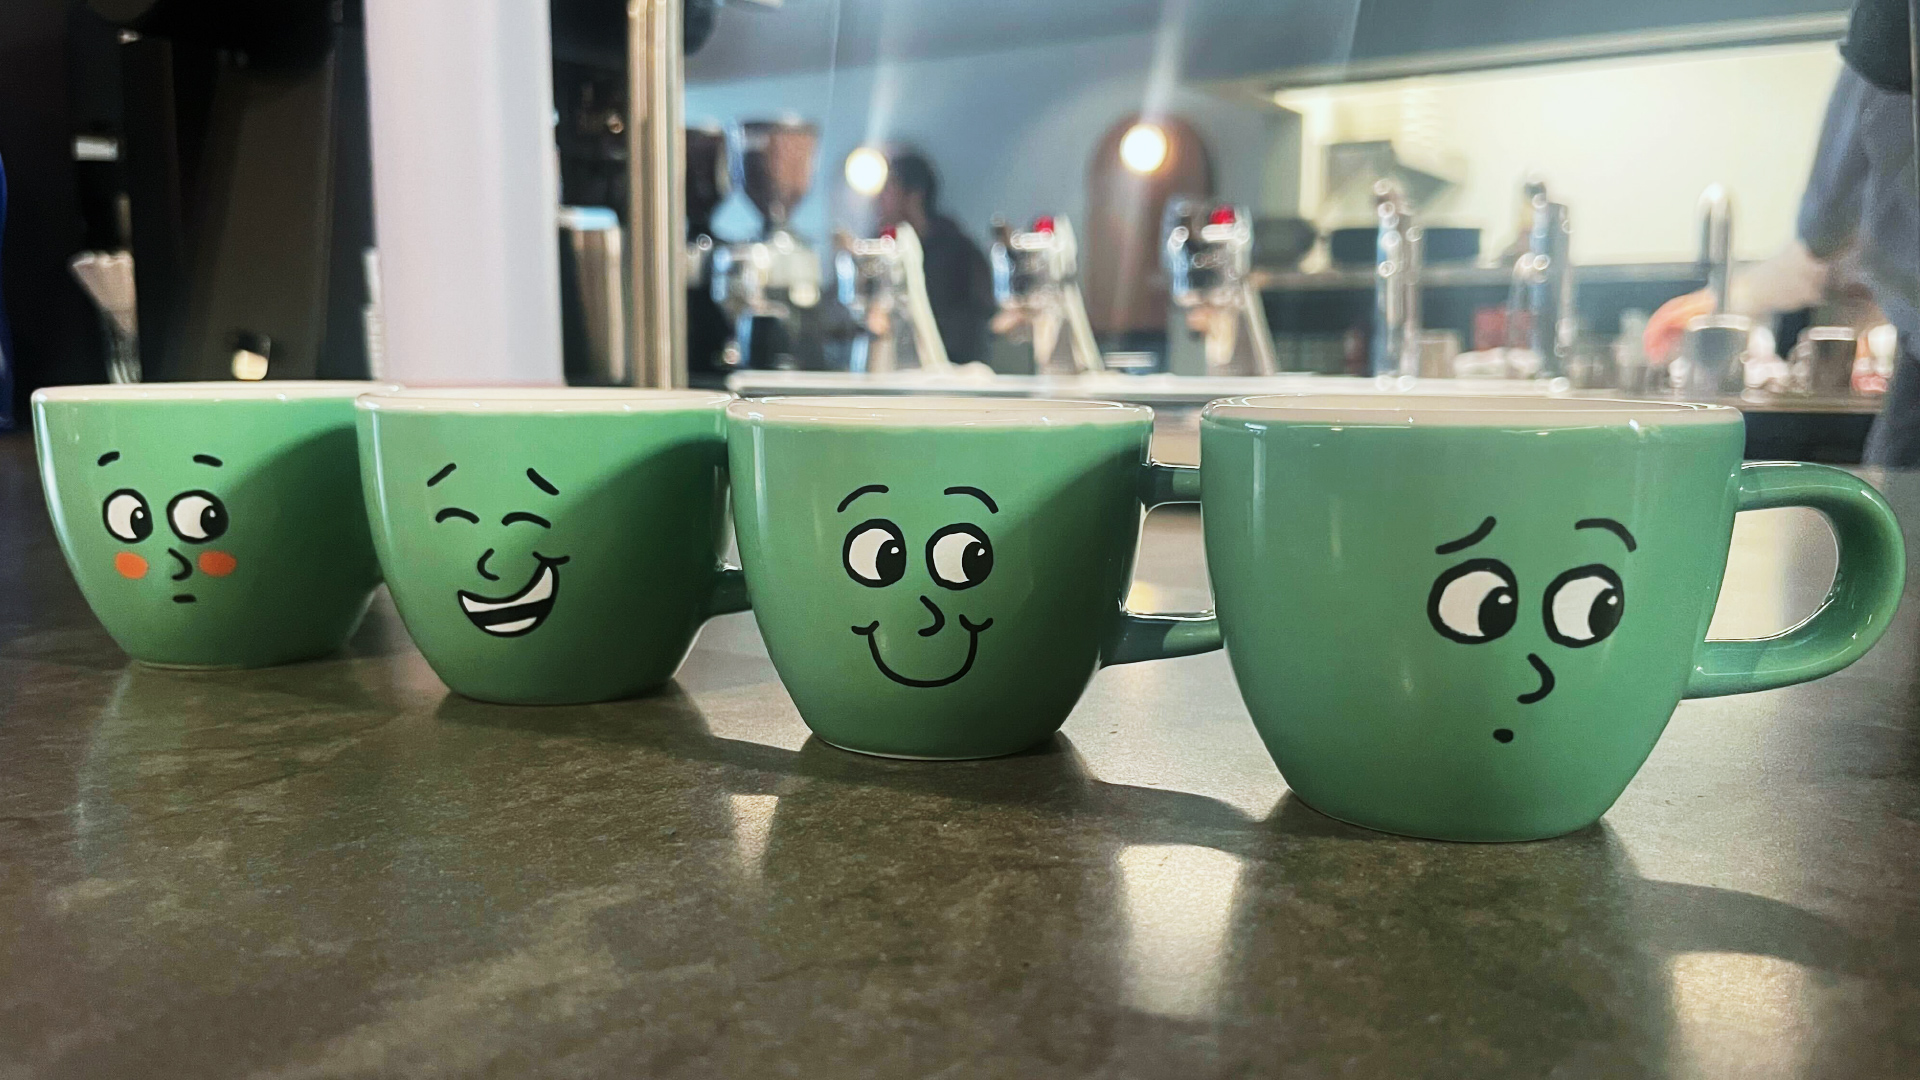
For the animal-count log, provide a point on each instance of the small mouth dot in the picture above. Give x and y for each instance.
(183, 598)
(1502, 735)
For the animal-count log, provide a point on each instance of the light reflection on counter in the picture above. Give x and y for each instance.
(752, 823)
(1178, 900)
(1739, 1015)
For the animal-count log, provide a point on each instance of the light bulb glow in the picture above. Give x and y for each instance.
(866, 171)
(1143, 149)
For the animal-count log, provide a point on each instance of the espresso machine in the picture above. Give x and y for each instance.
(1036, 279)
(1209, 263)
(883, 286)
(769, 287)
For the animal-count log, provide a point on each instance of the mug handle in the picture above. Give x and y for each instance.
(1138, 637)
(729, 592)
(1866, 584)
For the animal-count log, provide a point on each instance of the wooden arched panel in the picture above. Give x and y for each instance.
(1125, 287)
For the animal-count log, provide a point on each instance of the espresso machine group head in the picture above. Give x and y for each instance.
(1209, 262)
(883, 286)
(767, 286)
(1036, 279)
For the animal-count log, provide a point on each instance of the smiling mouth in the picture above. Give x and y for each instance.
(974, 630)
(524, 611)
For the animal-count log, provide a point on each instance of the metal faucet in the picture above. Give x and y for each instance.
(1716, 243)
(1399, 253)
(1543, 282)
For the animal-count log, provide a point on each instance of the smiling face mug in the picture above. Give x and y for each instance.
(211, 524)
(940, 577)
(1471, 618)
(550, 546)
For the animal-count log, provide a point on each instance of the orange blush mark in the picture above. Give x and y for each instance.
(130, 565)
(216, 563)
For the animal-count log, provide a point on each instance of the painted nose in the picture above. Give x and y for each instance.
(939, 618)
(186, 568)
(482, 565)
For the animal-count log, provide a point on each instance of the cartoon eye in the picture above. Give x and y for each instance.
(1475, 602)
(197, 516)
(959, 556)
(1583, 606)
(127, 516)
(875, 553)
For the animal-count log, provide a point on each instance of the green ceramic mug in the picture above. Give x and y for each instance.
(211, 524)
(550, 546)
(939, 578)
(1471, 618)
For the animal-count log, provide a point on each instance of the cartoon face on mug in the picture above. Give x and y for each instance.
(1478, 601)
(936, 567)
(184, 555)
(489, 530)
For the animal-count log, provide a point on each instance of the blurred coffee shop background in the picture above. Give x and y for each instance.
(1143, 196)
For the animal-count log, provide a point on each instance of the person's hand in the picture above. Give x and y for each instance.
(1665, 328)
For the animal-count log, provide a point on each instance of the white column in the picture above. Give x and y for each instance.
(465, 190)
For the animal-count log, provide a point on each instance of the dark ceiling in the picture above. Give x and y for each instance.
(1218, 38)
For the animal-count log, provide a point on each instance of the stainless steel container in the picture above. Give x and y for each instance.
(593, 311)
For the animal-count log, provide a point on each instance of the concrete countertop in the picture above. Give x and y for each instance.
(337, 869)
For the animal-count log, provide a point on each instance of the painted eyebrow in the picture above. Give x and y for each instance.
(976, 493)
(1611, 526)
(542, 483)
(522, 515)
(454, 511)
(108, 458)
(859, 491)
(207, 459)
(1466, 541)
(441, 475)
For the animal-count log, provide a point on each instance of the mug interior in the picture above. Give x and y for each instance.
(1465, 411)
(540, 399)
(921, 411)
(268, 390)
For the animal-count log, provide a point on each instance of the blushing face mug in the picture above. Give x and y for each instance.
(1471, 618)
(940, 577)
(211, 524)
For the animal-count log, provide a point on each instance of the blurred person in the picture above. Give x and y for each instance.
(959, 281)
(1860, 207)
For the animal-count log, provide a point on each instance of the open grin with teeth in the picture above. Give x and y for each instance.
(524, 611)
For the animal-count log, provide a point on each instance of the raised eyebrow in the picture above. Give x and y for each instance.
(976, 493)
(1611, 526)
(1467, 541)
(522, 515)
(864, 489)
(108, 458)
(207, 459)
(542, 483)
(441, 475)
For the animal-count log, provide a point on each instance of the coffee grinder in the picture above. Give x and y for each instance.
(769, 287)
